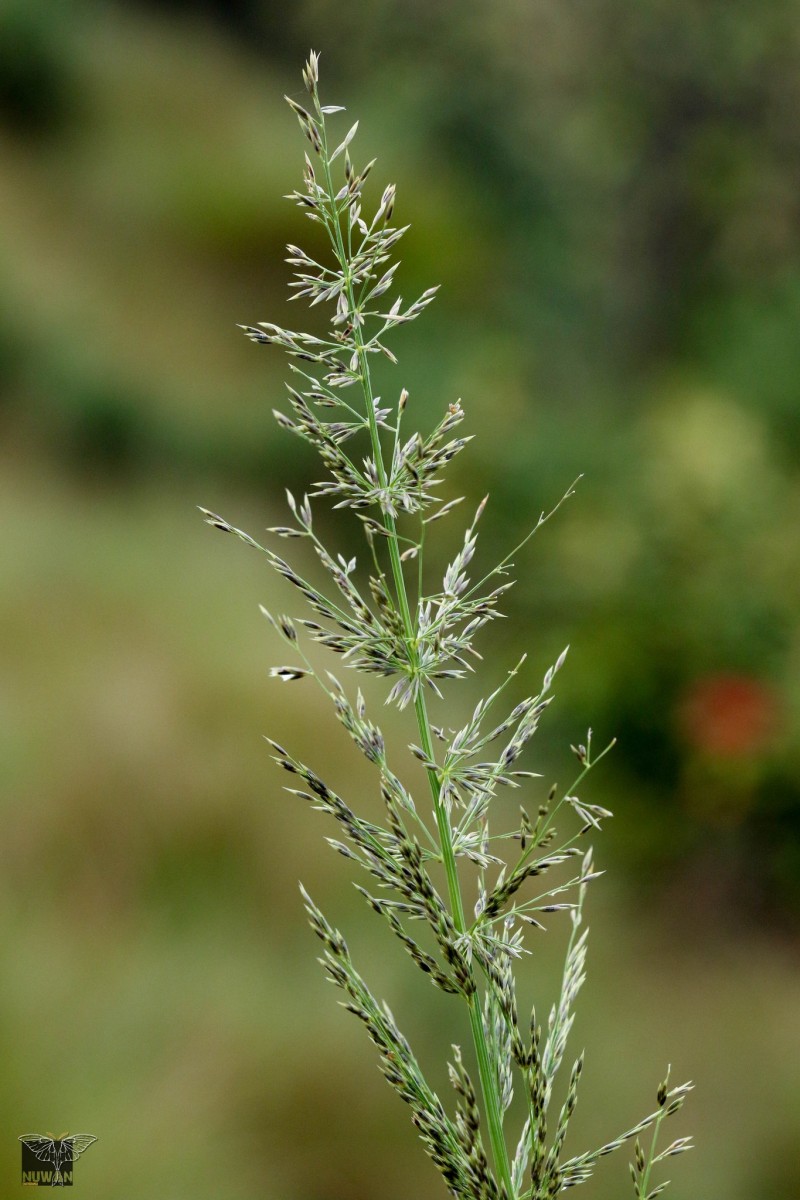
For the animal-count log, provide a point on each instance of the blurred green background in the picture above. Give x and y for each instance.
(609, 193)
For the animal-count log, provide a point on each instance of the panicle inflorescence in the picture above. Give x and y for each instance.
(427, 865)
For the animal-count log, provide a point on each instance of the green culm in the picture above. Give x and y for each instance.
(434, 867)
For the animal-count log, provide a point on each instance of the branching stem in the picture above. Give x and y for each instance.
(421, 639)
(487, 1075)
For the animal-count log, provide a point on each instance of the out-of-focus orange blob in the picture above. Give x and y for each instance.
(729, 715)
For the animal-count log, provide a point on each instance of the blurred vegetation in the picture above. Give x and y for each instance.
(610, 195)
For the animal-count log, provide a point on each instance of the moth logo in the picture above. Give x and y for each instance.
(48, 1161)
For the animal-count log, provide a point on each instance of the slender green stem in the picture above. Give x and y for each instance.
(644, 1183)
(486, 1074)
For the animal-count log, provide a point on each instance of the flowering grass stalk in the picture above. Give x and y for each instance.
(435, 867)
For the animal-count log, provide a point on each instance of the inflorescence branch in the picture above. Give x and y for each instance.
(378, 624)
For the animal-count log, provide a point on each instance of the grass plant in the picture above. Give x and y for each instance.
(461, 896)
